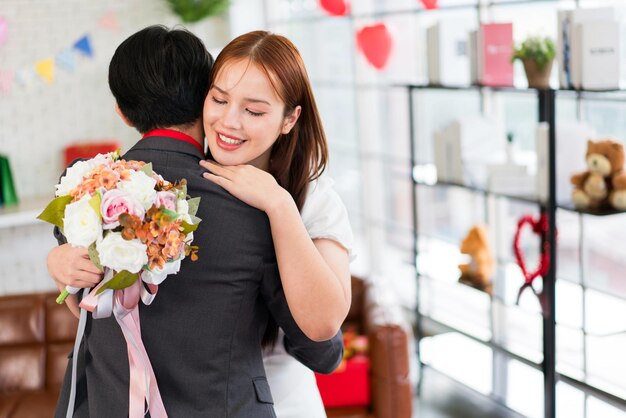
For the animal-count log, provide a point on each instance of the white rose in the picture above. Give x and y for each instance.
(72, 178)
(157, 275)
(119, 254)
(141, 186)
(74, 174)
(182, 207)
(81, 223)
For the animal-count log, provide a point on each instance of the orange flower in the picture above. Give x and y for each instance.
(108, 179)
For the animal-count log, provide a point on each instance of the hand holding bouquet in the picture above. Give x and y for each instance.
(133, 221)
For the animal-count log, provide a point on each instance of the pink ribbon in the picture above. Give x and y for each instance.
(124, 304)
(143, 385)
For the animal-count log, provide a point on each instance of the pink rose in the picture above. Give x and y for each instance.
(114, 203)
(167, 200)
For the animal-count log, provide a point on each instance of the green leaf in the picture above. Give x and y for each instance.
(187, 227)
(115, 155)
(94, 256)
(54, 212)
(94, 202)
(169, 212)
(195, 220)
(196, 10)
(181, 192)
(121, 280)
(147, 169)
(193, 205)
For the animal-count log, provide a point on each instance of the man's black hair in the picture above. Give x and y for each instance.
(160, 77)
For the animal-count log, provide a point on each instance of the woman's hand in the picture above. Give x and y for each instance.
(247, 183)
(71, 266)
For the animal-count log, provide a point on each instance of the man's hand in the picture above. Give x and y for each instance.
(71, 266)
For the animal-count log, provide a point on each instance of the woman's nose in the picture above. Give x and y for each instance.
(231, 118)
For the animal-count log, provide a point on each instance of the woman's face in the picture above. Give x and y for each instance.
(243, 116)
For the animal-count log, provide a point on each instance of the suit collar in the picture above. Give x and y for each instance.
(164, 143)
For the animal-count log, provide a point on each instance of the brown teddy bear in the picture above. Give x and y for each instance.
(605, 165)
(477, 273)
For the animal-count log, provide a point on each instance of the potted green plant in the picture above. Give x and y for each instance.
(537, 55)
(195, 10)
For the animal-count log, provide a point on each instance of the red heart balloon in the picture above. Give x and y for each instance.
(430, 4)
(375, 41)
(335, 7)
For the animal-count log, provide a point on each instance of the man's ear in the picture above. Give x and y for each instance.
(290, 120)
(124, 118)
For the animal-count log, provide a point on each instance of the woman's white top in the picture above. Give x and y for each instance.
(293, 385)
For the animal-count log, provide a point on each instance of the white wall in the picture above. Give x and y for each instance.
(36, 122)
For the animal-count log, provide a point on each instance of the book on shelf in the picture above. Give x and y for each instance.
(494, 50)
(472, 45)
(572, 135)
(7, 185)
(464, 147)
(600, 55)
(447, 51)
(564, 47)
(576, 20)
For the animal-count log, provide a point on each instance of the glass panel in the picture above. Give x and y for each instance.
(525, 389)
(570, 352)
(434, 110)
(570, 402)
(456, 305)
(598, 408)
(519, 331)
(461, 358)
(606, 342)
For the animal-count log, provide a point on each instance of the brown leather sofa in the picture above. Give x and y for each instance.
(36, 336)
(374, 313)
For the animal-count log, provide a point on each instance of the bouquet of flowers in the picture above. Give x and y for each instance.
(138, 228)
(132, 221)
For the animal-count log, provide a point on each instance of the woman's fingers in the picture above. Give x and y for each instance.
(218, 169)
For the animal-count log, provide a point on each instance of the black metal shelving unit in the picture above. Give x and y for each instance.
(546, 113)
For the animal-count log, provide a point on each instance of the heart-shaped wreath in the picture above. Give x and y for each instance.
(540, 227)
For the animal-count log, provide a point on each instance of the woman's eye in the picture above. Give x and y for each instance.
(218, 101)
(255, 113)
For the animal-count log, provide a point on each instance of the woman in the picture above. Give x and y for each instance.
(268, 147)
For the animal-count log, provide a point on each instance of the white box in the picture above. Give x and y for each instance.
(600, 55)
(448, 52)
(577, 18)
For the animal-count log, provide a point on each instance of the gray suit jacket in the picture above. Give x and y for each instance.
(203, 331)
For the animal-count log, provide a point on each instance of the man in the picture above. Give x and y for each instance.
(203, 332)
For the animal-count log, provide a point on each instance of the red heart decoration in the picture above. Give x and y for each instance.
(430, 4)
(375, 41)
(539, 227)
(335, 7)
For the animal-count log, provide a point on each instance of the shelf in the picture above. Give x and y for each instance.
(526, 199)
(507, 353)
(608, 397)
(503, 89)
(24, 213)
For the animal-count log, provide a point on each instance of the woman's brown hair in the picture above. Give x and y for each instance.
(301, 155)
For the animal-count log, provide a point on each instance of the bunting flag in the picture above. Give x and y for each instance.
(6, 81)
(83, 45)
(45, 69)
(65, 59)
(109, 21)
(4, 30)
(25, 77)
